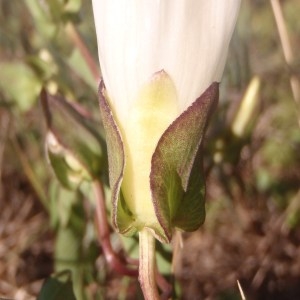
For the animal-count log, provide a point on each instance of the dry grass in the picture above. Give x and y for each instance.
(26, 245)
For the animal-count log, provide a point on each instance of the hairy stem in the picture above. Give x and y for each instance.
(147, 272)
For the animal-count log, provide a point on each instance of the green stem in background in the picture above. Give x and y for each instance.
(78, 42)
(111, 257)
(147, 266)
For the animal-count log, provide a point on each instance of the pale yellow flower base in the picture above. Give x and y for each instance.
(153, 111)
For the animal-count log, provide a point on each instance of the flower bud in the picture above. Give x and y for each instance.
(159, 61)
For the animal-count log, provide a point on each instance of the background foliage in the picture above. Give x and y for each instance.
(252, 229)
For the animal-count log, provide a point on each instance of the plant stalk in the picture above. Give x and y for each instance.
(79, 43)
(147, 266)
(112, 258)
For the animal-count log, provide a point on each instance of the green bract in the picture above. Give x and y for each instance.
(175, 179)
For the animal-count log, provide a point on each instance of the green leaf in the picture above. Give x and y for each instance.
(75, 149)
(177, 179)
(79, 65)
(42, 17)
(69, 177)
(73, 6)
(20, 85)
(58, 287)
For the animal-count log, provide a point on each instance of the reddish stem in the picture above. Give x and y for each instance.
(77, 40)
(111, 257)
(164, 286)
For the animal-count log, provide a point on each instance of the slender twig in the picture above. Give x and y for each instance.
(241, 290)
(4, 126)
(282, 30)
(112, 259)
(77, 40)
(147, 266)
(287, 50)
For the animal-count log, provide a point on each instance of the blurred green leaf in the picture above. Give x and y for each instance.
(42, 17)
(74, 146)
(73, 6)
(58, 287)
(79, 65)
(70, 225)
(20, 85)
(43, 65)
(68, 170)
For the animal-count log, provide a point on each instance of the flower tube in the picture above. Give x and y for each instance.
(160, 61)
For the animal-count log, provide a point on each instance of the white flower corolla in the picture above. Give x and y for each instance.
(157, 57)
(187, 39)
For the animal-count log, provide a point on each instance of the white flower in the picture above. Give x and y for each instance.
(187, 38)
(157, 57)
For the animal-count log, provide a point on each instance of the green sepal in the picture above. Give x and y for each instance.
(122, 217)
(177, 178)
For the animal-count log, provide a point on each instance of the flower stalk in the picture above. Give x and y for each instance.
(147, 265)
(112, 259)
